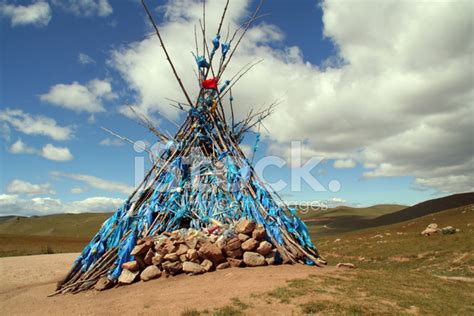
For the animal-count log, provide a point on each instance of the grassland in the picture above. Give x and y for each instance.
(398, 272)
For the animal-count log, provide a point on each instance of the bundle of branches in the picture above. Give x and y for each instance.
(201, 179)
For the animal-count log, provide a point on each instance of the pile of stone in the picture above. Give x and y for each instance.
(197, 251)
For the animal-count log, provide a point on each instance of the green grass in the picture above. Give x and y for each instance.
(61, 225)
(398, 270)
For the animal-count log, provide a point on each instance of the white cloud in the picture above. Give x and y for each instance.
(344, 164)
(19, 147)
(52, 152)
(80, 98)
(13, 205)
(398, 93)
(111, 142)
(96, 182)
(17, 186)
(35, 124)
(86, 8)
(85, 59)
(78, 190)
(48, 151)
(38, 13)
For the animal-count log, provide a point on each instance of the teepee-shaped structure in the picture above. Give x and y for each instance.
(202, 178)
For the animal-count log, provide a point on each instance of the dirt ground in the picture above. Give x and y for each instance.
(25, 283)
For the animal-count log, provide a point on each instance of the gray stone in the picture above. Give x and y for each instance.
(157, 259)
(244, 226)
(171, 257)
(242, 237)
(448, 230)
(345, 265)
(130, 265)
(182, 249)
(207, 265)
(151, 272)
(103, 284)
(212, 252)
(192, 255)
(259, 232)
(223, 265)
(235, 263)
(127, 276)
(149, 257)
(249, 245)
(140, 249)
(253, 259)
(193, 268)
(233, 244)
(172, 268)
(264, 248)
(236, 253)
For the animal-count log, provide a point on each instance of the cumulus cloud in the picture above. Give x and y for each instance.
(86, 8)
(38, 13)
(35, 124)
(85, 59)
(48, 151)
(397, 96)
(17, 186)
(19, 147)
(52, 152)
(96, 182)
(344, 164)
(80, 98)
(12, 204)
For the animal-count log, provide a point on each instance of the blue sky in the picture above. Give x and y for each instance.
(341, 80)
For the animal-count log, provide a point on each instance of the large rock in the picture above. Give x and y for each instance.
(140, 249)
(244, 226)
(253, 259)
(191, 242)
(157, 259)
(233, 244)
(103, 284)
(212, 252)
(171, 257)
(431, 230)
(235, 262)
(236, 253)
(149, 257)
(207, 265)
(172, 268)
(131, 265)
(249, 245)
(270, 258)
(182, 249)
(448, 230)
(223, 265)
(264, 248)
(151, 272)
(127, 276)
(243, 237)
(259, 232)
(192, 255)
(193, 268)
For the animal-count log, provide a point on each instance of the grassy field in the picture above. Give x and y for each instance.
(398, 272)
(61, 233)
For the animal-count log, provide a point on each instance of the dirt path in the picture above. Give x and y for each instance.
(25, 283)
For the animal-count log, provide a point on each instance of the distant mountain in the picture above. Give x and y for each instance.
(424, 208)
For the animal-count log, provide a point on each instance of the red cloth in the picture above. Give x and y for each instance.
(210, 84)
